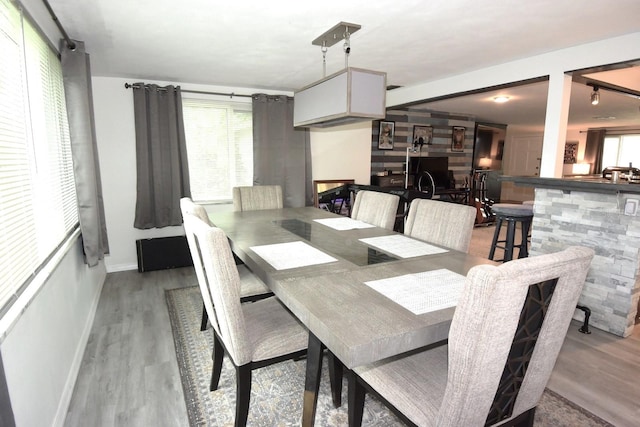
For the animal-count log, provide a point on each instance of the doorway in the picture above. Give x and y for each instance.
(488, 151)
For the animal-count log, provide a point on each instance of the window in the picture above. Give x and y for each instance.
(38, 205)
(621, 150)
(219, 147)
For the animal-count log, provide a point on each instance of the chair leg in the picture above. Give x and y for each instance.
(524, 244)
(217, 356)
(205, 318)
(511, 231)
(525, 419)
(494, 242)
(355, 398)
(243, 394)
(587, 313)
(335, 378)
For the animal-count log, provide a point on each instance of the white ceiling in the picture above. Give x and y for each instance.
(267, 44)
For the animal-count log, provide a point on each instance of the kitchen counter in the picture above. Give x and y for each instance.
(597, 213)
(587, 183)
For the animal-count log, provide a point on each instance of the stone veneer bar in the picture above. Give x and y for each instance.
(591, 212)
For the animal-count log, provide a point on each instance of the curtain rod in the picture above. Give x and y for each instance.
(230, 95)
(616, 131)
(70, 43)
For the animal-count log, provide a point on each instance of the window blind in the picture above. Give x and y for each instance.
(219, 147)
(37, 190)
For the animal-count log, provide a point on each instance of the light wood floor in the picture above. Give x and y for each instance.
(129, 374)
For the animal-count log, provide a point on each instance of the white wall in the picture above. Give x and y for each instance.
(42, 351)
(342, 152)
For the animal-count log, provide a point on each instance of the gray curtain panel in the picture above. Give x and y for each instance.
(161, 156)
(281, 153)
(593, 150)
(76, 73)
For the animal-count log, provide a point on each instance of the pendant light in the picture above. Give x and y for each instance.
(350, 95)
(595, 96)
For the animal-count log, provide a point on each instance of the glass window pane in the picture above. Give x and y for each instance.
(610, 152)
(219, 147)
(629, 151)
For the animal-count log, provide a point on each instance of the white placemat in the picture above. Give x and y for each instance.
(422, 292)
(283, 256)
(402, 246)
(344, 223)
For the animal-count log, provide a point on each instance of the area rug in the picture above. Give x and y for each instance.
(276, 391)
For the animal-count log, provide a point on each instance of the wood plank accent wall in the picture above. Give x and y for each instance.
(442, 123)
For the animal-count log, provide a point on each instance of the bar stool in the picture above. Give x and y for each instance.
(511, 214)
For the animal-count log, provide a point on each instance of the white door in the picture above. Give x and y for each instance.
(522, 157)
(525, 156)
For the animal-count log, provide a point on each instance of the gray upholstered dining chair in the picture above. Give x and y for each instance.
(257, 197)
(252, 335)
(376, 208)
(251, 288)
(505, 336)
(442, 223)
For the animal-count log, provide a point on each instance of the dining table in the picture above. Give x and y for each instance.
(364, 292)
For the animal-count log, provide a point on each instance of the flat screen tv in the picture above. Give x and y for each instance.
(438, 167)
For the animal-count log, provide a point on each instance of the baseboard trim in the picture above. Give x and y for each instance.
(65, 399)
(121, 267)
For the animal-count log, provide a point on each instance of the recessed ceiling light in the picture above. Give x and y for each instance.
(500, 99)
(604, 117)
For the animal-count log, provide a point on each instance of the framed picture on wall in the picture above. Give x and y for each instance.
(570, 152)
(457, 138)
(422, 135)
(385, 135)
